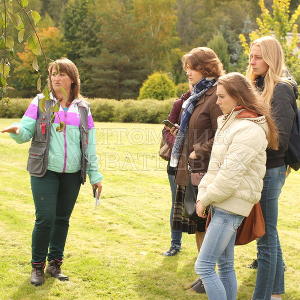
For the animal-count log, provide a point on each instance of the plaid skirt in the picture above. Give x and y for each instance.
(179, 220)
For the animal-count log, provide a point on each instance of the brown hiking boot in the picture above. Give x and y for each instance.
(37, 274)
(54, 270)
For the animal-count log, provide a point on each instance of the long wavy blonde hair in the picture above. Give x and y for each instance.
(273, 56)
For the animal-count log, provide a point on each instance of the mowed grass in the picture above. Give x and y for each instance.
(114, 251)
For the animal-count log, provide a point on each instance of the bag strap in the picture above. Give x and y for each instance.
(294, 104)
(83, 112)
(83, 109)
(296, 110)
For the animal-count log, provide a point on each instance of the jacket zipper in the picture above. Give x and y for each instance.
(65, 144)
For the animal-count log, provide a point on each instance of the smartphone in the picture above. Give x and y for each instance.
(96, 196)
(168, 123)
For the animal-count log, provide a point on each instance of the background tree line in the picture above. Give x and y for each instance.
(117, 43)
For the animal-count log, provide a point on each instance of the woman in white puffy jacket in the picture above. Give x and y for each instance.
(234, 179)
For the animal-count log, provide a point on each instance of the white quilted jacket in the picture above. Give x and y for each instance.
(237, 166)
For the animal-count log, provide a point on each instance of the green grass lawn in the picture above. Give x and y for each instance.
(114, 251)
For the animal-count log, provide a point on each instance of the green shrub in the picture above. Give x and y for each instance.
(181, 88)
(146, 111)
(104, 110)
(13, 108)
(158, 86)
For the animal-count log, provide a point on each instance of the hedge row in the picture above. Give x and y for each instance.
(104, 110)
(13, 108)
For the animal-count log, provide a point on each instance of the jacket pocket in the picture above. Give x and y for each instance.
(35, 164)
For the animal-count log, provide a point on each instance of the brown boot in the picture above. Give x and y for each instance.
(54, 270)
(37, 274)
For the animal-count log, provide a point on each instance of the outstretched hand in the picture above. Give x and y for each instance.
(11, 129)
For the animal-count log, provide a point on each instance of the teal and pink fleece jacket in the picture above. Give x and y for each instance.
(64, 148)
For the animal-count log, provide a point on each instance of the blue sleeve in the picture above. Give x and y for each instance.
(27, 123)
(92, 167)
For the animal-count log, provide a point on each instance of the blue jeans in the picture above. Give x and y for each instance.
(270, 272)
(218, 247)
(175, 234)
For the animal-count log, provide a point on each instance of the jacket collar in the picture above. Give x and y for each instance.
(75, 101)
(208, 93)
(245, 113)
(211, 90)
(239, 112)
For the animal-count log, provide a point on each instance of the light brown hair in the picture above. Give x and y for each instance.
(239, 88)
(65, 65)
(204, 60)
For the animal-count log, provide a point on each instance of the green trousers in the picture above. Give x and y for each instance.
(54, 197)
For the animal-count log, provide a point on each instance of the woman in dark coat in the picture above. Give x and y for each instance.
(194, 138)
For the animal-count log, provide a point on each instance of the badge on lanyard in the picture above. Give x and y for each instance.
(43, 128)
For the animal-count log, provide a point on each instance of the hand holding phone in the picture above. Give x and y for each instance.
(168, 123)
(96, 196)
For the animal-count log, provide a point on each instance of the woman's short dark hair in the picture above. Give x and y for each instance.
(204, 60)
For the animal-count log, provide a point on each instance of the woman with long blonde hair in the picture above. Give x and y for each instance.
(267, 71)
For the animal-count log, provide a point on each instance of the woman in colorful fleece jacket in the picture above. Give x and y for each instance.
(63, 150)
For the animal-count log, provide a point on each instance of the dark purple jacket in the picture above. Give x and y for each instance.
(174, 117)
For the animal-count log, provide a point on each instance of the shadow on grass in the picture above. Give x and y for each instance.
(166, 281)
(246, 286)
(27, 291)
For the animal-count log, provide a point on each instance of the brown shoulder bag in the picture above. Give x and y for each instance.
(251, 228)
